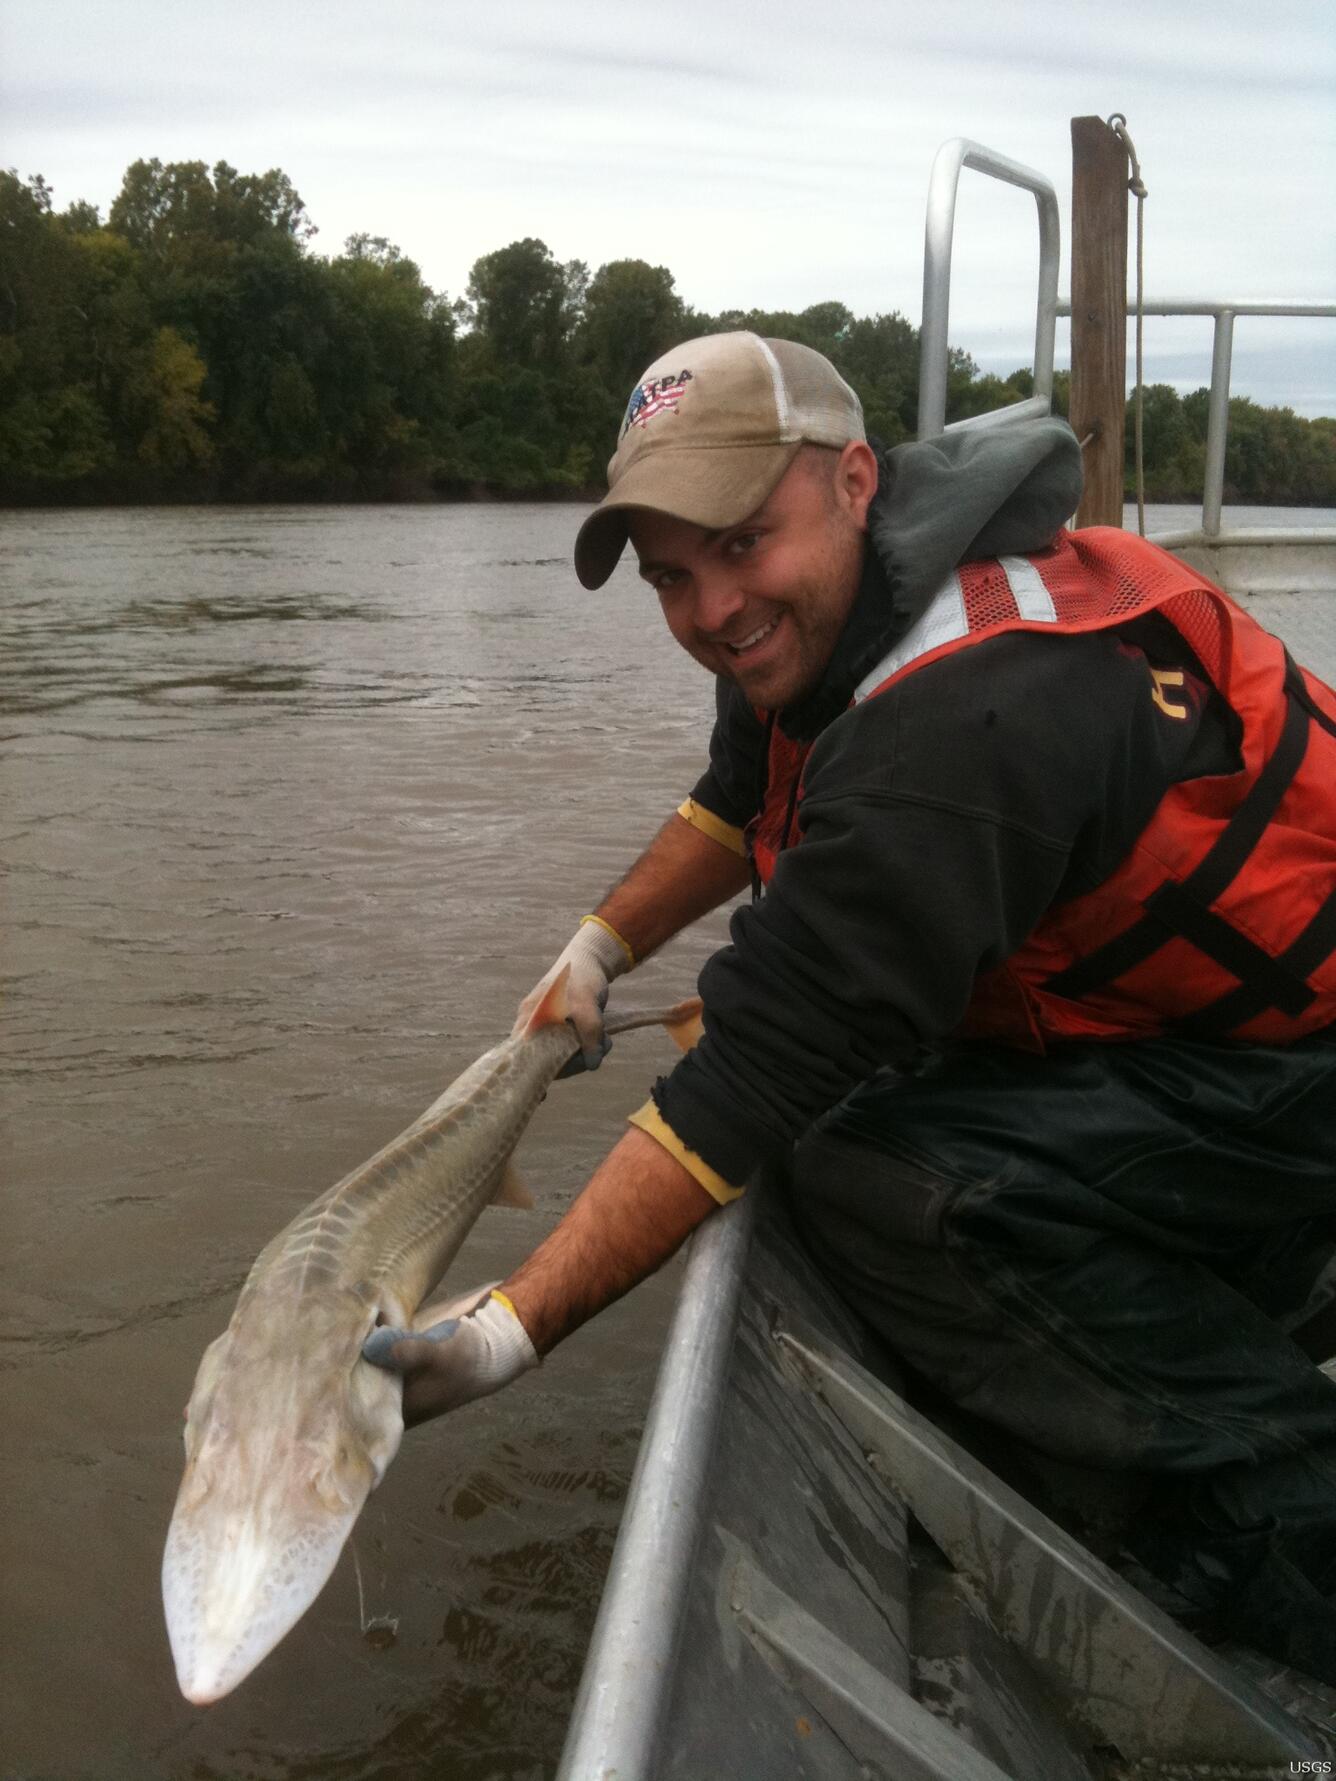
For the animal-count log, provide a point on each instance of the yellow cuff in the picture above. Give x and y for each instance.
(651, 1121)
(608, 928)
(713, 826)
(501, 1299)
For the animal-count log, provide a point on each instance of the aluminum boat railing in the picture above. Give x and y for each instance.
(1224, 312)
(939, 232)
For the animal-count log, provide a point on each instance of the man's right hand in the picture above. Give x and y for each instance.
(596, 955)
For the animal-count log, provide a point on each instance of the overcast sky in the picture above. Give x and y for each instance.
(770, 154)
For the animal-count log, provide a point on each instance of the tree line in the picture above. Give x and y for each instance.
(194, 346)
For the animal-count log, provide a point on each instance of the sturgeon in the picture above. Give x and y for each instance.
(289, 1429)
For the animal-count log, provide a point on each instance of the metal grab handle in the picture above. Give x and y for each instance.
(940, 228)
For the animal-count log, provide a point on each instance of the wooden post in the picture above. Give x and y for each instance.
(1099, 315)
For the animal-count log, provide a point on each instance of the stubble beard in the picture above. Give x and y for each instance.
(816, 613)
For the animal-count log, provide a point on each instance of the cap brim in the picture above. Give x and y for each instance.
(710, 486)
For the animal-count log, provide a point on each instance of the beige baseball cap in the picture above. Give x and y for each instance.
(709, 430)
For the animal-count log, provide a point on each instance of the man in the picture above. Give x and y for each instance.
(1033, 1008)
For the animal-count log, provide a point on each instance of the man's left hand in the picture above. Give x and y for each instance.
(458, 1351)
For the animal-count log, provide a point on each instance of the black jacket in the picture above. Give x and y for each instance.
(939, 819)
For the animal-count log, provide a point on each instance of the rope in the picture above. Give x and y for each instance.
(1118, 124)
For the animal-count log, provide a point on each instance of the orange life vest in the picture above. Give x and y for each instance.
(1221, 921)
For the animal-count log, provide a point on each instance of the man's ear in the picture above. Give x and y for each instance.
(856, 480)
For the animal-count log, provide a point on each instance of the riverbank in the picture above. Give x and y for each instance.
(381, 492)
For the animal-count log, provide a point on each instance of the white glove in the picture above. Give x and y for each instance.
(450, 1359)
(596, 954)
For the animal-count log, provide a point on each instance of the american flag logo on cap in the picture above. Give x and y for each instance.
(654, 396)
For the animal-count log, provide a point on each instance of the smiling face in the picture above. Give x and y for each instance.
(763, 602)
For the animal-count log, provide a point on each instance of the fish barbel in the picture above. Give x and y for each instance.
(288, 1429)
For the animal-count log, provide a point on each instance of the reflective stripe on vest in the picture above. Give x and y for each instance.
(1033, 600)
(945, 620)
(942, 621)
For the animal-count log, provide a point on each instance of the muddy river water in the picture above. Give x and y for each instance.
(296, 804)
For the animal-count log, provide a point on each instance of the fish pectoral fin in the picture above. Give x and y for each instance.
(511, 1191)
(443, 1310)
(554, 1007)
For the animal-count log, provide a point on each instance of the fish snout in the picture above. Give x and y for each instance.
(236, 1578)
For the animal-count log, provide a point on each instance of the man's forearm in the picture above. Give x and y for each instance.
(681, 875)
(638, 1208)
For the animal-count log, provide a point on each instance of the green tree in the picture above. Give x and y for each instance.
(221, 259)
(32, 254)
(111, 323)
(53, 440)
(826, 326)
(81, 218)
(161, 207)
(1173, 457)
(632, 314)
(389, 386)
(522, 303)
(176, 433)
(879, 356)
(54, 430)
